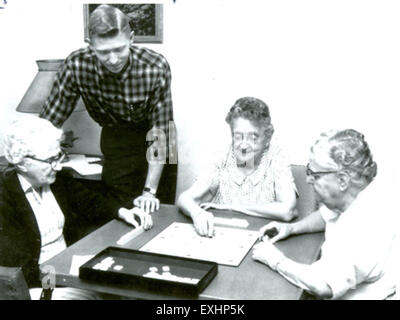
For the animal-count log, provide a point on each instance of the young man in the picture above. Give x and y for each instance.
(42, 209)
(126, 89)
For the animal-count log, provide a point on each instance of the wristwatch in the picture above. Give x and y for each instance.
(150, 190)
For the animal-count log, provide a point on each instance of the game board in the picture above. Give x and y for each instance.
(228, 246)
(149, 271)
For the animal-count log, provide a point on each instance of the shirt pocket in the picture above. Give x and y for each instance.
(138, 110)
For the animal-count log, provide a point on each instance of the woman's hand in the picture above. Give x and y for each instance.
(210, 205)
(203, 222)
(128, 215)
(275, 231)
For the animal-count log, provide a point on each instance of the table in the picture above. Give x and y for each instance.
(251, 280)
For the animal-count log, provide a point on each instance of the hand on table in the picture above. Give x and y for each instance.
(210, 205)
(279, 230)
(128, 215)
(268, 254)
(203, 222)
(147, 202)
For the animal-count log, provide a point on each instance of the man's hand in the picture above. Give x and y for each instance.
(267, 253)
(129, 217)
(280, 230)
(147, 202)
(203, 222)
(210, 205)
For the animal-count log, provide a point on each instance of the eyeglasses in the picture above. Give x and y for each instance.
(53, 161)
(316, 174)
(250, 138)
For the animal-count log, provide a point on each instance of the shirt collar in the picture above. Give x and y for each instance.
(27, 186)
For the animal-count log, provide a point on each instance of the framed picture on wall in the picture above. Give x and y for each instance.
(146, 20)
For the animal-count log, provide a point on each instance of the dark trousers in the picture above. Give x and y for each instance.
(125, 164)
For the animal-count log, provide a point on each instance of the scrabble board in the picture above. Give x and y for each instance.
(229, 246)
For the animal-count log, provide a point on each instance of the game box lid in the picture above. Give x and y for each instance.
(149, 271)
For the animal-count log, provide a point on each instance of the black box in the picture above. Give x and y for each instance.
(178, 275)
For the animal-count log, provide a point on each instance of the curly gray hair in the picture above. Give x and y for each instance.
(27, 136)
(252, 109)
(349, 151)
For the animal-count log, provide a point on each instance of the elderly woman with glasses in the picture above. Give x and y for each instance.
(42, 209)
(254, 177)
(357, 256)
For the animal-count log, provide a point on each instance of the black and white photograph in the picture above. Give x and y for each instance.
(199, 150)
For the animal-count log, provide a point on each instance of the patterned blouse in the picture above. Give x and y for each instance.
(272, 177)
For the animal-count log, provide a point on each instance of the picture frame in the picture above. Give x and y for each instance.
(146, 20)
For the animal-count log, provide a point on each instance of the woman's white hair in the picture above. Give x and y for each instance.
(28, 136)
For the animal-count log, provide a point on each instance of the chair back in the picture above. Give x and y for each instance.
(306, 202)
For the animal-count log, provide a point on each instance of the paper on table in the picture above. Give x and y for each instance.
(76, 157)
(229, 246)
(92, 159)
(77, 261)
(80, 164)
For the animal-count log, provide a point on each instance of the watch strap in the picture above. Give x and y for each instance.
(150, 190)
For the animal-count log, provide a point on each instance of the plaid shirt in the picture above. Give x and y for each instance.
(140, 93)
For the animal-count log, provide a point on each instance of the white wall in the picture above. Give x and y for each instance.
(318, 64)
